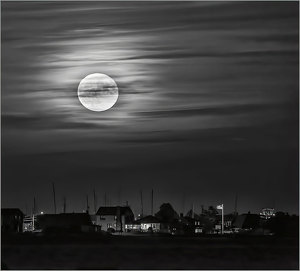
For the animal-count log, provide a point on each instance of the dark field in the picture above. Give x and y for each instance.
(149, 252)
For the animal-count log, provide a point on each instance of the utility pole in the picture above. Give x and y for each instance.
(105, 199)
(54, 200)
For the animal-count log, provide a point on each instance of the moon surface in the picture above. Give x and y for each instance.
(98, 92)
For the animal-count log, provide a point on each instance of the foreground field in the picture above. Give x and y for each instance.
(149, 252)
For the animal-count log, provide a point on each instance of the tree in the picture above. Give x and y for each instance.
(212, 211)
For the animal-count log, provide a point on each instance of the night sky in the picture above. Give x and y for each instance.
(207, 109)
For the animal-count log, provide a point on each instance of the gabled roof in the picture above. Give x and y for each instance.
(11, 211)
(113, 210)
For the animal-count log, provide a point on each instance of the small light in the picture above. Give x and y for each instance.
(42, 213)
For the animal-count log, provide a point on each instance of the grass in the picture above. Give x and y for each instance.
(149, 252)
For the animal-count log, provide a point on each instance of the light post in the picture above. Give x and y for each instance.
(221, 207)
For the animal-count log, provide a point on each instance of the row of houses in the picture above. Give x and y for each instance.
(120, 219)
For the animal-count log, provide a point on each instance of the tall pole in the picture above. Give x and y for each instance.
(152, 202)
(95, 203)
(105, 199)
(222, 218)
(142, 209)
(54, 200)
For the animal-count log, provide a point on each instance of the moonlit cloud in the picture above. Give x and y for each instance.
(208, 91)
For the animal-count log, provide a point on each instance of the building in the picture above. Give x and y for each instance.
(66, 222)
(11, 220)
(135, 226)
(114, 218)
(29, 223)
(149, 224)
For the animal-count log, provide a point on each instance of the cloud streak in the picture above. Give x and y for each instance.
(195, 79)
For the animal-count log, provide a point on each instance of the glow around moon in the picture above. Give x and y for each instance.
(98, 92)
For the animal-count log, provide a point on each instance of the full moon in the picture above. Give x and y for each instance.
(98, 92)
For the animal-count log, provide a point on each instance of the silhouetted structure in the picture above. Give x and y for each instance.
(11, 220)
(72, 222)
(247, 221)
(114, 218)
